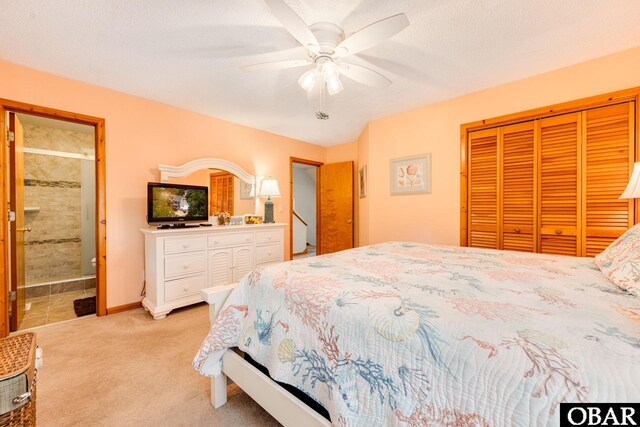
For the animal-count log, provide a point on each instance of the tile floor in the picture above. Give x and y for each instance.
(311, 251)
(52, 308)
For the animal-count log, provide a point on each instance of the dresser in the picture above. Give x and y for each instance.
(181, 262)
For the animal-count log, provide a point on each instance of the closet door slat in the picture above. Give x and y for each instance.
(559, 185)
(517, 143)
(483, 189)
(607, 162)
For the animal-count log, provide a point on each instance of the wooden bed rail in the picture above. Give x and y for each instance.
(282, 405)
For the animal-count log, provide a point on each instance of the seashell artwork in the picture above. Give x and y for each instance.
(393, 321)
(286, 350)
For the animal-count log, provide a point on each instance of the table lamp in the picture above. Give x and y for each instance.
(633, 188)
(269, 189)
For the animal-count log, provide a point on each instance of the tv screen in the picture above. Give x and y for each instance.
(176, 203)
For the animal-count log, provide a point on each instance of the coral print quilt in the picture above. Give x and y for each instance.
(403, 334)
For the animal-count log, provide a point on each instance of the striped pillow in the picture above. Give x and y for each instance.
(620, 262)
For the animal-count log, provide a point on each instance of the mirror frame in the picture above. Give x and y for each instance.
(168, 171)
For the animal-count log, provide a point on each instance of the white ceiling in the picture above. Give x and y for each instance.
(188, 53)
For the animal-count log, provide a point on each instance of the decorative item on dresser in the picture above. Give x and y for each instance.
(181, 262)
(269, 189)
(549, 180)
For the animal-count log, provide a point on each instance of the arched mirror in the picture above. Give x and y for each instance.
(231, 188)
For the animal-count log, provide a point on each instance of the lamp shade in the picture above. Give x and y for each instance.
(269, 188)
(633, 188)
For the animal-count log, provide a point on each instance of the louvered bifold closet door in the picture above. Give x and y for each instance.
(559, 185)
(483, 189)
(519, 190)
(607, 159)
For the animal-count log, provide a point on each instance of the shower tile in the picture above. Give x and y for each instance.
(90, 283)
(65, 287)
(37, 291)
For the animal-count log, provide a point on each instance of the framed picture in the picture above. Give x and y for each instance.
(246, 190)
(411, 175)
(362, 181)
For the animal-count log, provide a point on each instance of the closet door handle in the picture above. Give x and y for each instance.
(517, 230)
(26, 229)
(558, 231)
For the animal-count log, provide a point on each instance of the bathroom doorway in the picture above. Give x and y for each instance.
(54, 187)
(52, 179)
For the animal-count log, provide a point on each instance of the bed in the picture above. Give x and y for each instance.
(415, 334)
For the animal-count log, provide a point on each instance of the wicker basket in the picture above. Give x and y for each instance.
(18, 380)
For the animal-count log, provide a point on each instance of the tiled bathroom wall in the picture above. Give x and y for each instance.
(53, 249)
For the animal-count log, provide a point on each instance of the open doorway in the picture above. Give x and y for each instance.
(304, 208)
(54, 232)
(52, 197)
(332, 225)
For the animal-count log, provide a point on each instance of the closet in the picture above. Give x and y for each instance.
(549, 182)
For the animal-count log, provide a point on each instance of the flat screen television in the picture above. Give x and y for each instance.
(176, 203)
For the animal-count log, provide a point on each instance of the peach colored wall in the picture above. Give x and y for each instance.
(140, 134)
(363, 203)
(435, 128)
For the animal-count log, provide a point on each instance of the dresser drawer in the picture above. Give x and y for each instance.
(269, 253)
(180, 288)
(268, 236)
(230, 239)
(183, 244)
(185, 264)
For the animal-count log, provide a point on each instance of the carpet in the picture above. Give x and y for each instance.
(84, 306)
(127, 369)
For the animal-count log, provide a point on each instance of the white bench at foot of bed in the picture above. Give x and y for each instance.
(282, 405)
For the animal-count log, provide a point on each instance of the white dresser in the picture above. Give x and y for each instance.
(180, 262)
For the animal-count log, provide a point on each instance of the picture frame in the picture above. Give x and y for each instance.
(246, 191)
(362, 181)
(411, 175)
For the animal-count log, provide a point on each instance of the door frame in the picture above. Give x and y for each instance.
(317, 164)
(101, 211)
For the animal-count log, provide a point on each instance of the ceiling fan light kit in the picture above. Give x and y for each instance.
(326, 46)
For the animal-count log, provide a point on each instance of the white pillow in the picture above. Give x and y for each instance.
(620, 262)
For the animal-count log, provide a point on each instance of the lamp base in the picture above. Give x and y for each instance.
(268, 212)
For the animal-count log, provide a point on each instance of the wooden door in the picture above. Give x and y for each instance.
(336, 207)
(483, 189)
(16, 204)
(220, 263)
(518, 187)
(242, 262)
(607, 162)
(221, 192)
(559, 186)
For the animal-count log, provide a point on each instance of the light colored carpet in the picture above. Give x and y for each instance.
(127, 369)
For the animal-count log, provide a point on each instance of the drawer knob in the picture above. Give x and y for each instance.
(185, 266)
(517, 230)
(246, 239)
(268, 252)
(215, 242)
(268, 237)
(558, 231)
(186, 288)
(185, 245)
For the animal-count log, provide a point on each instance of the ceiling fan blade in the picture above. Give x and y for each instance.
(372, 35)
(293, 23)
(277, 65)
(364, 75)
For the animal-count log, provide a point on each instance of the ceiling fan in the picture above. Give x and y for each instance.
(326, 47)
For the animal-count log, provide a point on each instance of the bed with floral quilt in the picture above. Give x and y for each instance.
(406, 334)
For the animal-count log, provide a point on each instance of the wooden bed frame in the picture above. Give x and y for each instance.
(282, 405)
